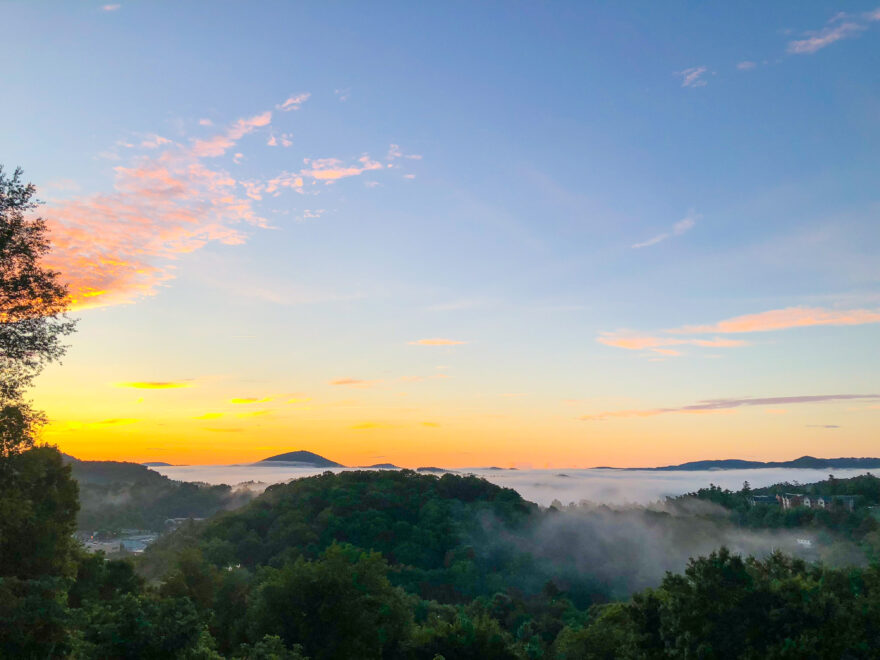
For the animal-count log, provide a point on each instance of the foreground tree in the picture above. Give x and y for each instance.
(38, 497)
(32, 304)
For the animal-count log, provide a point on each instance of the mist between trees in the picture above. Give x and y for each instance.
(624, 549)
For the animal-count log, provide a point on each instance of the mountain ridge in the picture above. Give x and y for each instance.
(805, 462)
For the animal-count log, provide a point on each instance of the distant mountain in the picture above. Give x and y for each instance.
(381, 466)
(434, 470)
(156, 464)
(807, 462)
(302, 457)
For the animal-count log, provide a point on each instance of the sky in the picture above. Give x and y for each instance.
(534, 234)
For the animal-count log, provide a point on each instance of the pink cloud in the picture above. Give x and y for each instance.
(220, 143)
(331, 169)
(115, 247)
(772, 320)
(293, 102)
(154, 141)
(638, 342)
(782, 319)
(118, 246)
(354, 382)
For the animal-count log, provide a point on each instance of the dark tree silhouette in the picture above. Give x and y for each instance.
(33, 301)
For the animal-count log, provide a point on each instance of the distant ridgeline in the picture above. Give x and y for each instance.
(805, 462)
(116, 495)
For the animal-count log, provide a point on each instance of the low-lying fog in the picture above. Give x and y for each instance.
(543, 486)
(620, 548)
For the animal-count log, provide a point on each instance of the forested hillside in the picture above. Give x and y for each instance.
(837, 528)
(400, 565)
(118, 495)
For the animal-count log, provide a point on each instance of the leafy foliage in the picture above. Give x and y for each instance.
(38, 505)
(118, 495)
(32, 305)
(427, 528)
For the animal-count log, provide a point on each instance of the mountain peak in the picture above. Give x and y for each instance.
(302, 457)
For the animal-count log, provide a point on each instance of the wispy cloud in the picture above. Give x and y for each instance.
(685, 224)
(841, 26)
(746, 65)
(783, 319)
(693, 77)
(823, 426)
(218, 144)
(248, 400)
(116, 421)
(112, 7)
(371, 426)
(714, 405)
(293, 102)
(639, 342)
(156, 384)
(285, 140)
(354, 382)
(771, 320)
(395, 152)
(116, 247)
(169, 200)
(815, 41)
(438, 341)
(331, 169)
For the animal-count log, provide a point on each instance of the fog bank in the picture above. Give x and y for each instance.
(543, 486)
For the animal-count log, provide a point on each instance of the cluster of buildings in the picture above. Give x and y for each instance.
(126, 541)
(793, 500)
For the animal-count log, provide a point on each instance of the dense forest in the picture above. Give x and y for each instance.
(117, 495)
(378, 564)
(843, 536)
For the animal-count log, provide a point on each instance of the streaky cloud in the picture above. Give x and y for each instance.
(685, 224)
(156, 385)
(783, 319)
(713, 405)
(437, 341)
(818, 40)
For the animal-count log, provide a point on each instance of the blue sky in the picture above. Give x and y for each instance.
(566, 189)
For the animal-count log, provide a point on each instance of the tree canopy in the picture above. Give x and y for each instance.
(33, 300)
